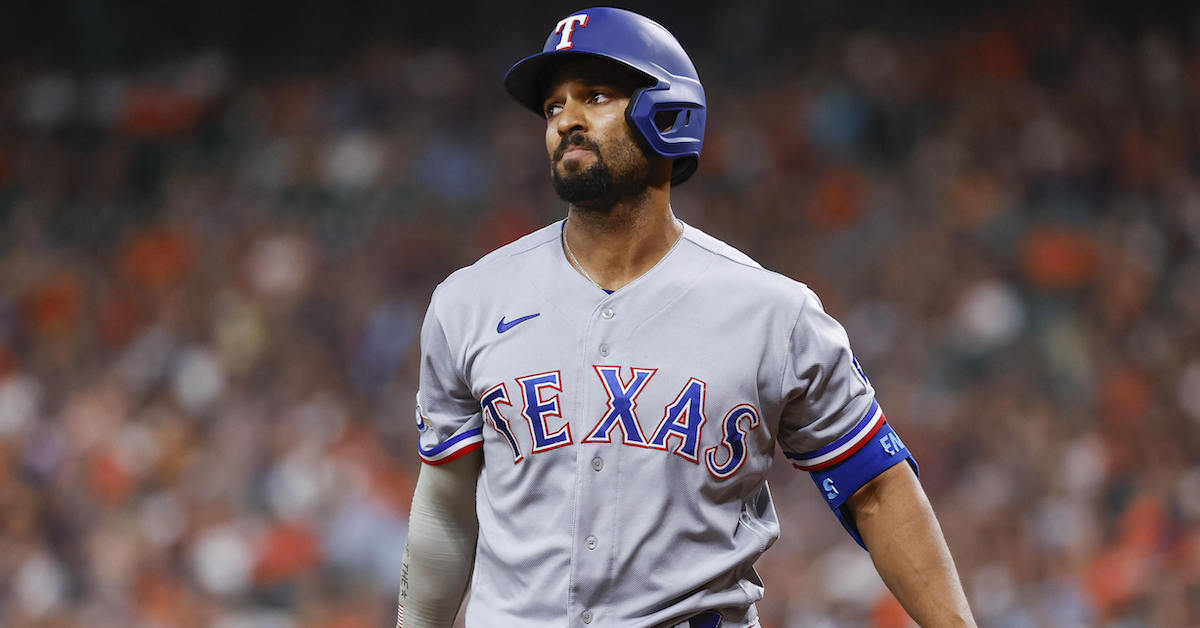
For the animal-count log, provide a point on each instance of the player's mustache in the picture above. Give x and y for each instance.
(575, 139)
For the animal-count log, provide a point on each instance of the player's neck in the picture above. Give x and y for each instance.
(617, 245)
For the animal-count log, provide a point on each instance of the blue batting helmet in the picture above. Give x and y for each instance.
(641, 44)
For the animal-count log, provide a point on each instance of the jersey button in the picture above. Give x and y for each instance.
(597, 463)
(587, 617)
(607, 314)
(591, 542)
(604, 351)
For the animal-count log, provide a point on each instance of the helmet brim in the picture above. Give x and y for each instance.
(528, 79)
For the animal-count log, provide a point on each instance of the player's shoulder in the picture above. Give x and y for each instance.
(741, 272)
(493, 268)
(718, 248)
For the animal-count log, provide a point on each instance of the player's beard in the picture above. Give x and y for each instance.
(599, 185)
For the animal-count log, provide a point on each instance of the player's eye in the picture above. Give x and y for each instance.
(551, 110)
(598, 97)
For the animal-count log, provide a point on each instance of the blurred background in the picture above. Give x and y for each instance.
(220, 224)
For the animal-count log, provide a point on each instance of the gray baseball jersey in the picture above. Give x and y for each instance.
(627, 436)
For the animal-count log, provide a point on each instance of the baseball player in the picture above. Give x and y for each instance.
(600, 400)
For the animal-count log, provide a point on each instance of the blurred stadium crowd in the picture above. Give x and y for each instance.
(212, 277)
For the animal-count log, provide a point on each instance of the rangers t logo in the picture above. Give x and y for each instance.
(567, 28)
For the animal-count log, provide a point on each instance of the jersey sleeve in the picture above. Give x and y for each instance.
(832, 425)
(449, 418)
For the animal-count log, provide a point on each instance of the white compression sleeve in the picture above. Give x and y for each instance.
(442, 530)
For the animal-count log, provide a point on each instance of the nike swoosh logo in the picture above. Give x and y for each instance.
(502, 326)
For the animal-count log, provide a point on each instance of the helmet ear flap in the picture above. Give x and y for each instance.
(668, 126)
(668, 121)
(658, 126)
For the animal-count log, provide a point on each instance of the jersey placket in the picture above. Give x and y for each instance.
(596, 468)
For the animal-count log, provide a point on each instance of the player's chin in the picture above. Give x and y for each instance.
(575, 172)
(584, 185)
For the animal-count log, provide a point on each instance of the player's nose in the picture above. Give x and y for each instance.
(571, 118)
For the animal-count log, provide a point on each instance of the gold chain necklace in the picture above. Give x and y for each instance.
(583, 271)
(574, 262)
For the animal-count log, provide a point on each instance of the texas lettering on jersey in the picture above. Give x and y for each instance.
(679, 430)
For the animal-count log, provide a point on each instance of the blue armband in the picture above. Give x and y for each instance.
(837, 483)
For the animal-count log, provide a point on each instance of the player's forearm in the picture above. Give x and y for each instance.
(443, 529)
(899, 528)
